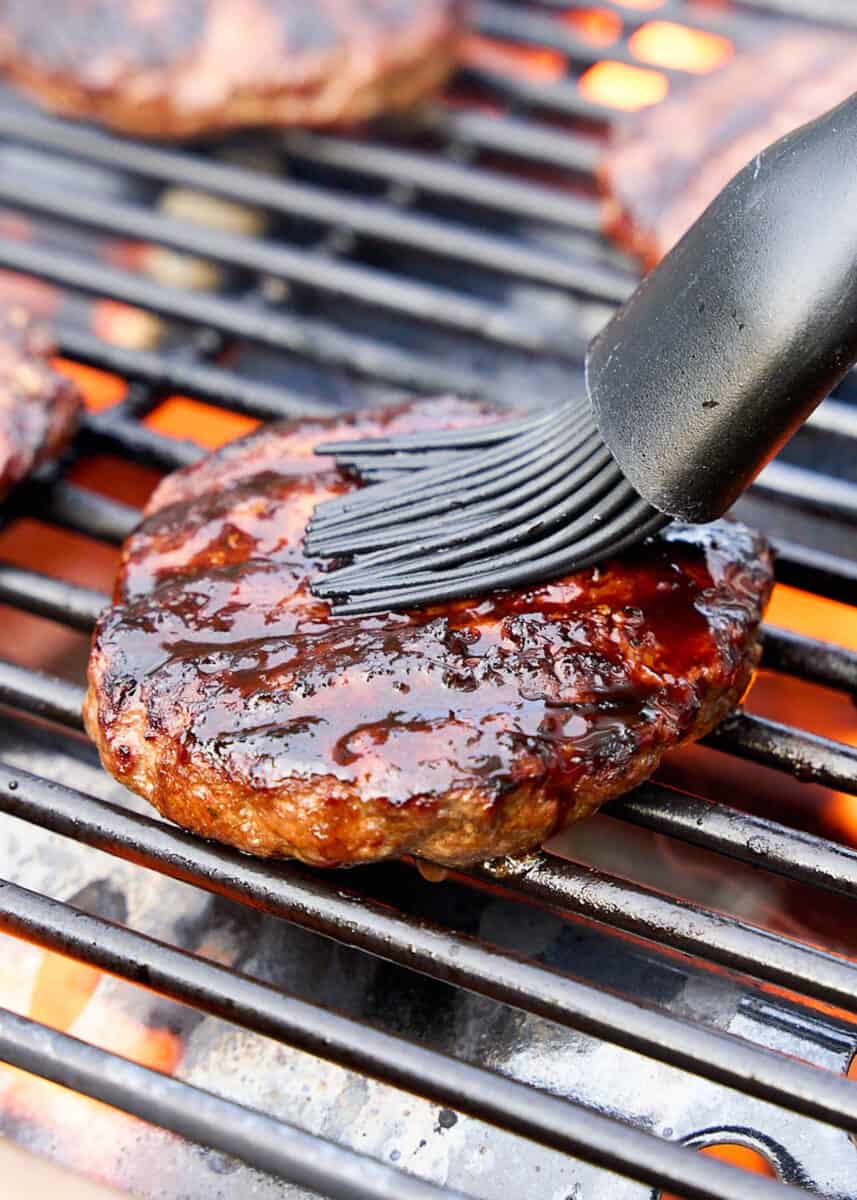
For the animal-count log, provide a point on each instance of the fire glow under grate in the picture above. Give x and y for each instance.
(463, 253)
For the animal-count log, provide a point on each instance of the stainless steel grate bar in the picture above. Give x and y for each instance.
(439, 176)
(751, 839)
(270, 1145)
(551, 1121)
(166, 373)
(312, 901)
(270, 327)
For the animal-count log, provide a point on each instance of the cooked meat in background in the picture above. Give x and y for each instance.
(38, 406)
(226, 694)
(666, 165)
(181, 68)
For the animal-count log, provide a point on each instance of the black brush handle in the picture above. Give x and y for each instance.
(732, 341)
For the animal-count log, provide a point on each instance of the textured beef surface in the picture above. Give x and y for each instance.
(38, 406)
(221, 690)
(665, 166)
(183, 68)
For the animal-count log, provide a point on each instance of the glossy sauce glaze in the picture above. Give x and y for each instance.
(217, 639)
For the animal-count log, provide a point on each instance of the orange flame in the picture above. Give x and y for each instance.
(666, 44)
(62, 990)
(739, 1156)
(597, 25)
(826, 620)
(63, 994)
(181, 417)
(531, 61)
(99, 388)
(622, 86)
(813, 616)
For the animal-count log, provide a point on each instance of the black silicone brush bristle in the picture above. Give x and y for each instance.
(463, 512)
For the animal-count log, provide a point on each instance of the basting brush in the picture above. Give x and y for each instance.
(699, 379)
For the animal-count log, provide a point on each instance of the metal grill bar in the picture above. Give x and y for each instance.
(558, 96)
(834, 12)
(441, 177)
(428, 302)
(311, 901)
(248, 1134)
(816, 571)
(43, 695)
(112, 428)
(373, 219)
(167, 373)
(77, 509)
(755, 840)
(47, 597)
(521, 25)
(737, 945)
(514, 137)
(731, 24)
(807, 756)
(821, 662)
(557, 1123)
(270, 1145)
(441, 306)
(835, 418)
(294, 335)
(810, 489)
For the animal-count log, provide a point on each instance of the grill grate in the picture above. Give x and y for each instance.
(403, 221)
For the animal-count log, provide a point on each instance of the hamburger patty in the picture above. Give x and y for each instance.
(181, 68)
(38, 406)
(664, 167)
(226, 694)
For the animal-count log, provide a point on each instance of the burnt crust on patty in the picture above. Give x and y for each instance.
(666, 164)
(226, 694)
(185, 68)
(39, 407)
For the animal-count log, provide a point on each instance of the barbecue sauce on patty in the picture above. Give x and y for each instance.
(217, 663)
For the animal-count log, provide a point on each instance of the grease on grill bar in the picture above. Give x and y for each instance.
(427, 265)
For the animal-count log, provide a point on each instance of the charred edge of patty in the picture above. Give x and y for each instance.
(328, 822)
(338, 88)
(41, 405)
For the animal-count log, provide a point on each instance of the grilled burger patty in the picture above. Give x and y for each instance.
(181, 68)
(664, 167)
(228, 696)
(38, 406)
